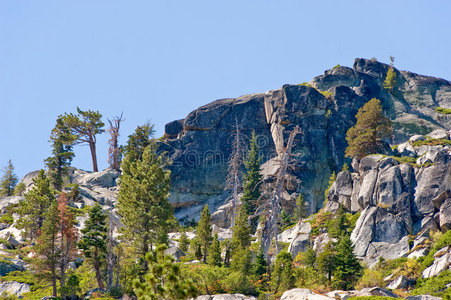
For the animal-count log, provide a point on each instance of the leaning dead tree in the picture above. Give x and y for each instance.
(274, 199)
(114, 151)
(233, 181)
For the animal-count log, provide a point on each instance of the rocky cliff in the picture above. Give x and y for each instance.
(324, 109)
(399, 200)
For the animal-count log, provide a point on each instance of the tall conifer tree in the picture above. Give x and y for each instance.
(252, 178)
(62, 141)
(143, 202)
(94, 241)
(8, 181)
(204, 232)
(366, 137)
(32, 211)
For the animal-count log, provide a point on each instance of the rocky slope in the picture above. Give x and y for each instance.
(399, 203)
(324, 109)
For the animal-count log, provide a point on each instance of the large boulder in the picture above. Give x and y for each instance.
(442, 261)
(104, 179)
(401, 282)
(14, 288)
(303, 294)
(340, 192)
(8, 265)
(445, 215)
(302, 239)
(377, 291)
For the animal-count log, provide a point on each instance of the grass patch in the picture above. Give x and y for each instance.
(306, 84)
(337, 66)
(432, 142)
(442, 110)
(326, 94)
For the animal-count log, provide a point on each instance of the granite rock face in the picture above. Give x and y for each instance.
(200, 144)
(395, 200)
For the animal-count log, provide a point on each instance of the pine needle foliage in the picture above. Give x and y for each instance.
(8, 181)
(252, 178)
(366, 137)
(32, 211)
(164, 281)
(94, 241)
(143, 202)
(204, 232)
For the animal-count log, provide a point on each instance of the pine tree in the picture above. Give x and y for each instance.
(62, 141)
(94, 241)
(283, 273)
(326, 260)
(242, 261)
(84, 126)
(227, 248)
(347, 267)
(366, 137)
(204, 231)
(390, 79)
(8, 181)
(139, 141)
(183, 242)
(339, 224)
(253, 178)
(164, 280)
(143, 202)
(307, 258)
(32, 211)
(214, 252)
(47, 251)
(260, 264)
(241, 236)
(19, 190)
(196, 248)
(301, 208)
(67, 239)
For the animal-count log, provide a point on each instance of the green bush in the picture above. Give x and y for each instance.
(370, 278)
(7, 218)
(443, 241)
(432, 142)
(435, 286)
(387, 267)
(445, 111)
(326, 94)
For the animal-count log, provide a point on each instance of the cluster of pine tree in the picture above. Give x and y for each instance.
(138, 264)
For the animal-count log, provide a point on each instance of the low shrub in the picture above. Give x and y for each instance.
(442, 110)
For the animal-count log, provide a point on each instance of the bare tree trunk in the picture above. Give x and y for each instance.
(92, 147)
(233, 177)
(114, 150)
(54, 290)
(97, 270)
(276, 197)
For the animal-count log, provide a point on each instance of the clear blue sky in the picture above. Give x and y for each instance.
(159, 60)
